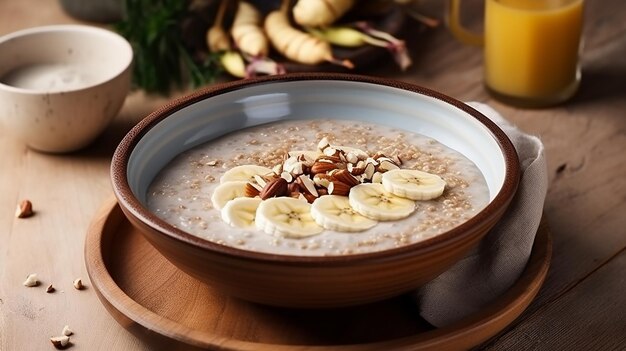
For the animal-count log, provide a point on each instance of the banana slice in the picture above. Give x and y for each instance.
(413, 184)
(286, 216)
(244, 173)
(240, 212)
(373, 201)
(226, 192)
(334, 212)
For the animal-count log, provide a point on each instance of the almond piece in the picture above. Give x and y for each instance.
(309, 198)
(331, 151)
(378, 155)
(297, 168)
(333, 159)
(274, 188)
(293, 188)
(60, 342)
(289, 163)
(387, 165)
(323, 143)
(306, 160)
(355, 170)
(260, 180)
(333, 172)
(307, 185)
(31, 280)
(287, 176)
(78, 284)
(278, 169)
(369, 171)
(360, 154)
(322, 167)
(24, 209)
(295, 194)
(322, 191)
(270, 176)
(250, 190)
(338, 188)
(321, 179)
(50, 289)
(345, 177)
(397, 160)
(371, 161)
(352, 157)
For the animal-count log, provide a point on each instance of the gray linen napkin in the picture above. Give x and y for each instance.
(499, 259)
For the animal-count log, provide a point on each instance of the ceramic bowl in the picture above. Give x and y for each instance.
(311, 282)
(60, 86)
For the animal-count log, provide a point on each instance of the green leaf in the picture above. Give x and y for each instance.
(162, 62)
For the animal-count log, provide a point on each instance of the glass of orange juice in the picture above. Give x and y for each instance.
(531, 49)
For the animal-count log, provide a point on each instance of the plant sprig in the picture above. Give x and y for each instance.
(162, 62)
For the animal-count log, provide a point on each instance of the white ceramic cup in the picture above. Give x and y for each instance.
(60, 86)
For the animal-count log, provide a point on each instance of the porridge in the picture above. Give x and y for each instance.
(320, 187)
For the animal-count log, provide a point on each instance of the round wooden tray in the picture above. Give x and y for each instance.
(170, 310)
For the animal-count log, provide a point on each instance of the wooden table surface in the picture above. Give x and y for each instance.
(582, 305)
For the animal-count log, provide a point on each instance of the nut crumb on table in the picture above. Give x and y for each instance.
(24, 209)
(31, 280)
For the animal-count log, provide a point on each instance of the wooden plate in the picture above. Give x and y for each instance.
(170, 310)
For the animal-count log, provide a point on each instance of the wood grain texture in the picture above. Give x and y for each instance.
(603, 316)
(152, 298)
(584, 138)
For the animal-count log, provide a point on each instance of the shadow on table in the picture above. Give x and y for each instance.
(601, 84)
(105, 144)
(138, 105)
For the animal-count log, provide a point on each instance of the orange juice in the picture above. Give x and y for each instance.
(532, 47)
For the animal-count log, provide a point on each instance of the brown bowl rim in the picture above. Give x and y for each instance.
(127, 199)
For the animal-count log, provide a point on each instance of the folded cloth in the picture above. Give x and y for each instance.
(499, 259)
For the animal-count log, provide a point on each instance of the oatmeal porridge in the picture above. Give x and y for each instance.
(320, 187)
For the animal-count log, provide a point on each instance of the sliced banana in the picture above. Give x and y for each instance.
(286, 216)
(373, 201)
(226, 192)
(244, 173)
(413, 184)
(334, 212)
(240, 212)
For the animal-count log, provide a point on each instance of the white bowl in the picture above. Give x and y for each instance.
(60, 86)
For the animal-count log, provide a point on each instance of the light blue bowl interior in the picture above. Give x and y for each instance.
(314, 99)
